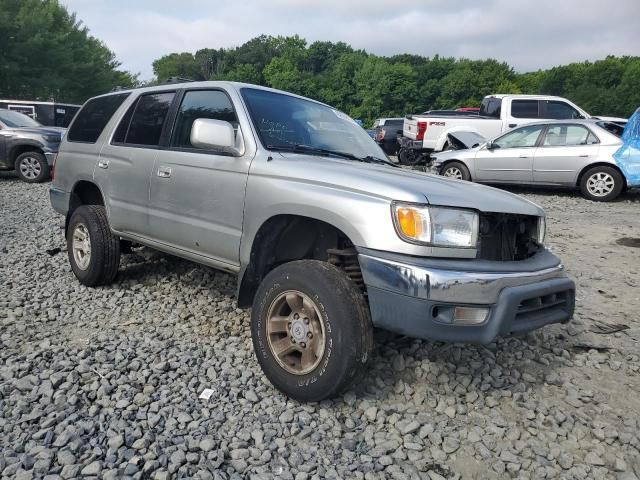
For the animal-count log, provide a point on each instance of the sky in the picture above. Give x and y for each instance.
(528, 35)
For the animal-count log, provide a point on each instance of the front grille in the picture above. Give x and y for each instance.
(506, 237)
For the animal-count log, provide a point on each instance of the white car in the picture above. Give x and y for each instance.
(570, 153)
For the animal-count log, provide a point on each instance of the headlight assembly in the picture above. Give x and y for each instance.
(436, 226)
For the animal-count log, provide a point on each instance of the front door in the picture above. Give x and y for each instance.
(510, 157)
(564, 151)
(197, 196)
(126, 163)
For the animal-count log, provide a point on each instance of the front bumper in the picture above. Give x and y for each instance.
(418, 296)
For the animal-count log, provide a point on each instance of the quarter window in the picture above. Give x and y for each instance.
(212, 104)
(520, 137)
(564, 135)
(524, 108)
(93, 117)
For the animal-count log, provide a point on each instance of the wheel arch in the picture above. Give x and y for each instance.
(450, 161)
(19, 149)
(84, 192)
(287, 237)
(599, 164)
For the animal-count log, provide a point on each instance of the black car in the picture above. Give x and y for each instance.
(387, 131)
(26, 146)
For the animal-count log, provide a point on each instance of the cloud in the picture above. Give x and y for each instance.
(527, 35)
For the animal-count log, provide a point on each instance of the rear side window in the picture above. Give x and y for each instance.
(145, 119)
(212, 104)
(568, 135)
(93, 117)
(524, 108)
(491, 107)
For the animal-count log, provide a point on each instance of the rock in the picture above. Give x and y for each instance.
(207, 444)
(94, 468)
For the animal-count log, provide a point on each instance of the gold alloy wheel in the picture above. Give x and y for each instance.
(295, 332)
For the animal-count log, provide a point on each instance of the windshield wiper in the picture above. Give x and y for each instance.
(325, 151)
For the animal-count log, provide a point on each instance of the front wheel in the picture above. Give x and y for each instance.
(601, 184)
(456, 170)
(94, 252)
(32, 167)
(311, 329)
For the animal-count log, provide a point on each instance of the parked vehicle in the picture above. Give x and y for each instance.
(26, 146)
(426, 134)
(327, 237)
(468, 109)
(450, 113)
(569, 153)
(51, 114)
(387, 131)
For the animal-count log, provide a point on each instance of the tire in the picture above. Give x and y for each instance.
(98, 265)
(456, 170)
(339, 329)
(32, 167)
(601, 184)
(408, 156)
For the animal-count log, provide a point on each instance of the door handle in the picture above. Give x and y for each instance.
(164, 172)
(584, 156)
(103, 163)
(524, 156)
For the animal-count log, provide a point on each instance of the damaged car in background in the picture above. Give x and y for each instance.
(580, 154)
(327, 237)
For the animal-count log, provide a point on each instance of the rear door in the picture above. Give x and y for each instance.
(196, 195)
(563, 152)
(126, 162)
(511, 158)
(522, 112)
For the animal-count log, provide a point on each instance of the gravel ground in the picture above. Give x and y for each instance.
(105, 382)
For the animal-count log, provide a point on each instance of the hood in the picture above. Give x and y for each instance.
(404, 185)
(38, 130)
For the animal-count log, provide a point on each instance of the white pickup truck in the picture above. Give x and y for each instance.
(424, 134)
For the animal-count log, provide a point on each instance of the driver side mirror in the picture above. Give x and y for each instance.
(490, 145)
(210, 134)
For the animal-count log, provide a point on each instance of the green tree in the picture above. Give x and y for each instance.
(47, 54)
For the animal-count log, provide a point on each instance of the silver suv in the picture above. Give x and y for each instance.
(327, 237)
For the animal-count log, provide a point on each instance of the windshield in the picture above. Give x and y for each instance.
(284, 122)
(16, 119)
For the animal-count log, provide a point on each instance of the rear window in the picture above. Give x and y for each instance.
(491, 107)
(524, 108)
(93, 117)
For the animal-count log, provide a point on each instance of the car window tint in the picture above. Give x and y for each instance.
(559, 110)
(559, 135)
(524, 108)
(93, 117)
(212, 104)
(520, 137)
(123, 127)
(148, 119)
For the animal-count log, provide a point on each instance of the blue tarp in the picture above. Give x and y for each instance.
(628, 155)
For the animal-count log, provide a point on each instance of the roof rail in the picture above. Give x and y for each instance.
(178, 80)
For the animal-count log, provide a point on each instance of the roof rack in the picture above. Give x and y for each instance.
(178, 80)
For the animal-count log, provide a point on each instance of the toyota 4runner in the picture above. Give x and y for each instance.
(327, 237)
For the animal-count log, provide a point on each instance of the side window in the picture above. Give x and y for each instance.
(520, 137)
(93, 117)
(561, 135)
(143, 122)
(213, 104)
(524, 108)
(558, 110)
(491, 107)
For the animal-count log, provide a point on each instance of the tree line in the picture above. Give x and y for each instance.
(368, 86)
(46, 53)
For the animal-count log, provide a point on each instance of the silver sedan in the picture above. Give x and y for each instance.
(571, 153)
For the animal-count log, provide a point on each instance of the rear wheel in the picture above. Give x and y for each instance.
(94, 252)
(311, 330)
(456, 170)
(408, 156)
(32, 167)
(601, 184)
